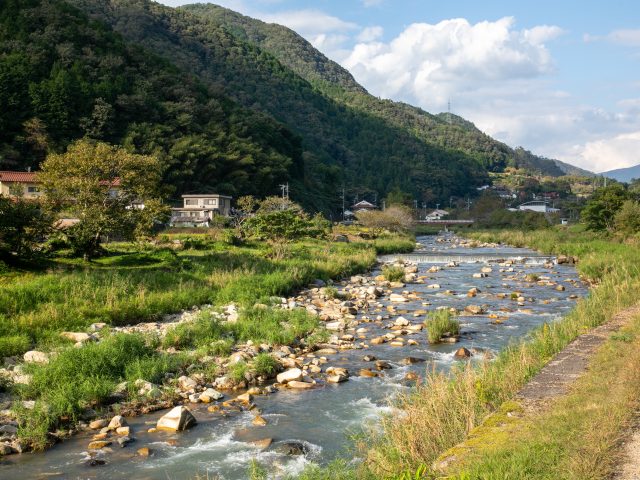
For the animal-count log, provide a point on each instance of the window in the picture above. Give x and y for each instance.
(33, 189)
(211, 201)
(191, 201)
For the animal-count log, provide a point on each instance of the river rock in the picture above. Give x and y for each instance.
(123, 430)
(210, 395)
(397, 298)
(292, 448)
(337, 378)
(462, 353)
(78, 337)
(259, 421)
(297, 385)
(5, 449)
(401, 322)
(263, 443)
(98, 444)
(382, 365)
(187, 383)
(480, 275)
(144, 451)
(176, 420)
(365, 372)
(474, 309)
(98, 424)
(124, 441)
(412, 360)
(559, 288)
(34, 356)
(293, 374)
(117, 422)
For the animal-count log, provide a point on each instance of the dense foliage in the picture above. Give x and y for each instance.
(22, 227)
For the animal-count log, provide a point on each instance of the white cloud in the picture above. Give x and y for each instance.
(429, 63)
(625, 37)
(612, 153)
(370, 34)
(309, 22)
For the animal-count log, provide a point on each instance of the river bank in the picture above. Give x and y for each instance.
(58, 385)
(368, 324)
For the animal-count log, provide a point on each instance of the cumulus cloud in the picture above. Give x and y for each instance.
(370, 34)
(371, 3)
(430, 62)
(612, 153)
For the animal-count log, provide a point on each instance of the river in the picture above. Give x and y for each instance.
(323, 419)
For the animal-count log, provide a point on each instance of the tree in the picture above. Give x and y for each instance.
(627, 219)
(22, 226)
(104, 187)
(394, 219)
(600, 211)
(281, 225)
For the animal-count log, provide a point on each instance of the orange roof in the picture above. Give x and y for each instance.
(22, 177)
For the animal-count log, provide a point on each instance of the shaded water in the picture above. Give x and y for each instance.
(324, 418)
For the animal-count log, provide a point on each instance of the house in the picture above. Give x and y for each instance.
(19, 184)
(437, 214)
(363, 206)
(538, 206)
(199, 210)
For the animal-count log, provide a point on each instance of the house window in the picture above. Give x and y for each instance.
(33, 189)
(191, 201)
(211, 201)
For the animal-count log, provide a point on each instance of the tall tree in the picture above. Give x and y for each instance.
(103, 186)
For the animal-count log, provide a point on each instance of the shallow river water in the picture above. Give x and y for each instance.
(324, 418)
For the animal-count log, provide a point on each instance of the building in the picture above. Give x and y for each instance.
(437, 214)
(19, 184)
(199, 210)
(363, 206)
(538, 206)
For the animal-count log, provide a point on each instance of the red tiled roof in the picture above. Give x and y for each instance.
(22, 177)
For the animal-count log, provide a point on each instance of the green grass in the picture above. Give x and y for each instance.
(386, 244)
(393, 273)
(265, 365)
(39, 305)
(580, 436)
(439, 323)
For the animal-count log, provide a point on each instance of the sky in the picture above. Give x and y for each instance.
(558, 77)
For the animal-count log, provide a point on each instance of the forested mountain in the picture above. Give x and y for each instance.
(228, 103)
(443, 130)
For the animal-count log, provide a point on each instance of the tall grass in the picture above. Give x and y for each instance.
(35, 307)
(441, 412)
(441, 323)
(393, 273)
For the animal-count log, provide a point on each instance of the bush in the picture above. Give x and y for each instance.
(394, 219)
(441, 323)
(14, 345)
(238, 370)
(200, 332)
(265, 365)
(393, 273)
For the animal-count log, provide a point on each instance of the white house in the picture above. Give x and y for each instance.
(199, 210)
(437, 214)
(538, 206)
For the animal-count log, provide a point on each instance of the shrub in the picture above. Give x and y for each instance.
(393, 273)
(441, 323)
(13, 345)
(265, 365)
(238, 370)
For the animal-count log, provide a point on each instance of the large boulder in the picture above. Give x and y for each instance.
(176, 420)
(291, 375)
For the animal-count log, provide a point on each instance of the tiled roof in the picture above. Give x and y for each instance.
(22, 177)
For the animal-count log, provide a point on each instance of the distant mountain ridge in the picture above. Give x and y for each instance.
(623, 174)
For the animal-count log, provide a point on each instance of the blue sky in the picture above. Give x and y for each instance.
(560, 78)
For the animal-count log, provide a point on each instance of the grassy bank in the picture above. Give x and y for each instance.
(580, 436)
(137, 283)
(130, 286)
(440, 413)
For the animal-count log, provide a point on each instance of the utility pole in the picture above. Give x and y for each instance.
(424, 210)
(342, 197)
(468, 204)
(384, 205)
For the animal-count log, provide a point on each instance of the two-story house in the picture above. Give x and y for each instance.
(199, 210)
(19, 184)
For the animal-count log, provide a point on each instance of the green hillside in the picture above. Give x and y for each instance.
(230, 104)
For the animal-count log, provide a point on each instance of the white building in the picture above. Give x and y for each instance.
(199, 210)
(437, 214)
(538, 206)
